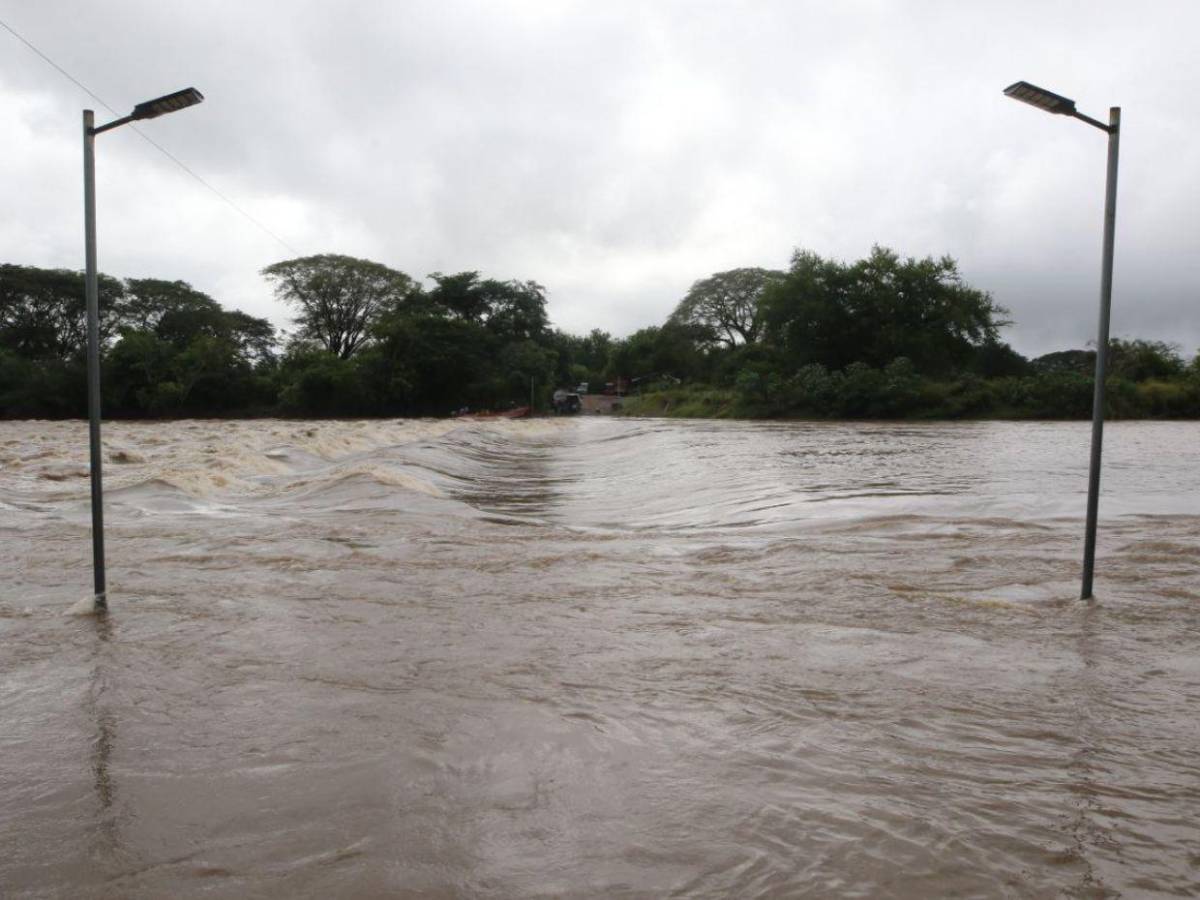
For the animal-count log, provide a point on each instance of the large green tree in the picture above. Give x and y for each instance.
(43, 312)
(149, 300)
(467, 341)
(429, 364)
(339, 298)
(512, 310)
(726, 305)
(179, 314)
(878, 309)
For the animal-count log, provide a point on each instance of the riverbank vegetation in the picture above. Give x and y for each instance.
(882, 337)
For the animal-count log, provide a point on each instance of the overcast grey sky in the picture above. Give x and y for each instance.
(618, 151)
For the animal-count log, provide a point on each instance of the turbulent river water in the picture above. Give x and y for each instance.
(600, 658)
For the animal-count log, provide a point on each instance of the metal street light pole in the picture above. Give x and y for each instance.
(149, 110)
(91, 289)
(1106, 270)
(1051, 102)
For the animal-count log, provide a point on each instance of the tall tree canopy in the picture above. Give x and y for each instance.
(339, 298)
(878, 309)
(149, 300)
(460, 295)
(467, 341)
(726, 304)
(512, 310)
(178, 313)
(43, 312)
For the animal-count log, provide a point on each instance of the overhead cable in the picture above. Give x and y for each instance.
(153, 143)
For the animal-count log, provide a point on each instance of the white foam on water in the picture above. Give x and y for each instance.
(84, 606)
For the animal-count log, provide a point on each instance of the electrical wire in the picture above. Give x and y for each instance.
(153, 143)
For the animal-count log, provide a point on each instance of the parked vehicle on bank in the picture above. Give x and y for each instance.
(566, 403)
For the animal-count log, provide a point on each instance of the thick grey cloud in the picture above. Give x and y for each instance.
(616, 152)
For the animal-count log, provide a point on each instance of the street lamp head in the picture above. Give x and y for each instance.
(1041, 98)
(167, 104)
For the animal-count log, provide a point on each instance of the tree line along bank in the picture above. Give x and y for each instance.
(881, 337)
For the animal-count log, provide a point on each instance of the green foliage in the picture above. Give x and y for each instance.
(525, 363)
(879, 338)
(877, 309)
(135, 369)
(593, 352)
(179, 314)
(813, 390)
(317, 382)
(886, 337)
(1169, 399)
(460, 295)
(431, 365)
(339, 298)
(965, 397)
(674, 349)
(725, 308)
(175, 350)
(636, 354)
(996, 359)
(43, 312)
(860, 391)
(43, 388)
(149, 300)
(684, 402)
(1139, 360)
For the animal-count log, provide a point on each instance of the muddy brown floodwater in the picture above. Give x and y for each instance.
(600, 658)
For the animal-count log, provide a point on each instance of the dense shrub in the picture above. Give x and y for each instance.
(320, 383)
